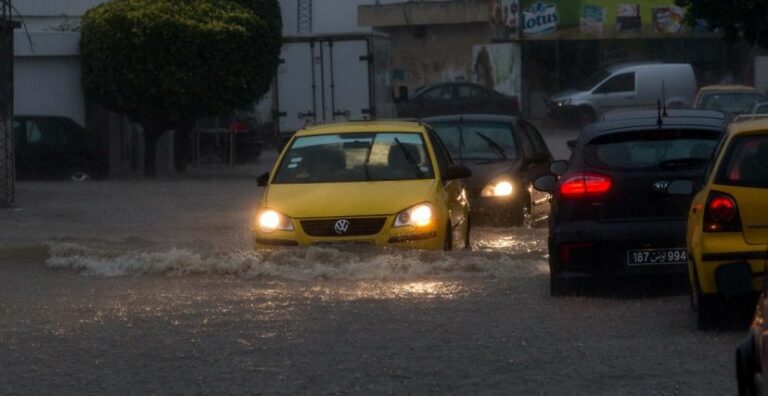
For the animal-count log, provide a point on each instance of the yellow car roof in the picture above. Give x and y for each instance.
(362, 126)
(727, 87)
(748, 125)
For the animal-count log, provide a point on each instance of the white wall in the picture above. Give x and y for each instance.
(52, 15)
(47, 73)
(49, 86)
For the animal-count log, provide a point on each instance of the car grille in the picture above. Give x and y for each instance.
(357, 227)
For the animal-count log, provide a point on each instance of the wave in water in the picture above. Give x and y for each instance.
(295, 264)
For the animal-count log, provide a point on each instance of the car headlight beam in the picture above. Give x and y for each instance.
(269, 221)
(420, 215)
(498, 189)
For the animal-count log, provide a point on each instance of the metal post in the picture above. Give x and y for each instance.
(232, 131)
(7, 174)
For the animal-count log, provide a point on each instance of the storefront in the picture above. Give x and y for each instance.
(563, 42)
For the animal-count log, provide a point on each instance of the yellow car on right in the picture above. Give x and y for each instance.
(727, 236)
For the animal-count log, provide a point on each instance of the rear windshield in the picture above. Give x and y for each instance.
(652, 150)
(745, 163)
(731, 103)
(478, 140)
(355, 157)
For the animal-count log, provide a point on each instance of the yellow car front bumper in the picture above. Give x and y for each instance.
(431, 237)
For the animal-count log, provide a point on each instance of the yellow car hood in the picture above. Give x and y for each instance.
(347, 199)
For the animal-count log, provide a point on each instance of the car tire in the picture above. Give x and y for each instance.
(516, 216)
(707, 314)
(448, 240)
(745, 368)
(80, 175)
(585, 115)
(467, 239)
(558, 287)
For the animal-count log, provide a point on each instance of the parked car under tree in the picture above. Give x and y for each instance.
(52, 147)
(455, 98)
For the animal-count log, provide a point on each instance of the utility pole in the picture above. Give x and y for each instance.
(7, 174)
(304, 16)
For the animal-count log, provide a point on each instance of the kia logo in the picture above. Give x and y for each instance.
(341, 226)
(661, 185)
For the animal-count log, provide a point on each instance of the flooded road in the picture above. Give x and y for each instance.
(151, 287)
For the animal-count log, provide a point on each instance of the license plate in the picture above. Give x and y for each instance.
(342, 244)
(656, 256)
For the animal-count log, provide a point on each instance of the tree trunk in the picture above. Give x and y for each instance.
(183, 146)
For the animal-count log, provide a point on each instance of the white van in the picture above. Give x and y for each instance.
(625, 85)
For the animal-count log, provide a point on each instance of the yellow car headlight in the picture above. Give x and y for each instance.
(420, 215)
(498, 189)
(269, 220)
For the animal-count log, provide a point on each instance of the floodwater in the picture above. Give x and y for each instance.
(152, 287)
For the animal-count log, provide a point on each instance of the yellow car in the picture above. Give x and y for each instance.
(727, 235)
(372, 182)
(731, 100)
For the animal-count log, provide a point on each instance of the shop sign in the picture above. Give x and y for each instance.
(540, 18)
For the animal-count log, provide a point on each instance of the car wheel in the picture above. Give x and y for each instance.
(558, 287)
(516, 215)
(448, 242)
(585, 116)
(527, 217)
(745, 367)
(467, 241)
(707, 317)
(80, 175)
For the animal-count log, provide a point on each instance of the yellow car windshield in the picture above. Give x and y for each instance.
(355, 157)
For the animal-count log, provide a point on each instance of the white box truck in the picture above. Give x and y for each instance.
(332, 78)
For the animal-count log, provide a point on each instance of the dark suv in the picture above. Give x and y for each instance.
(49, 147)
(612, 213)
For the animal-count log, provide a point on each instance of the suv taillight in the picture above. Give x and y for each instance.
(585, 184)
(721, 213)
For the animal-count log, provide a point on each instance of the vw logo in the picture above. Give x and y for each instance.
(341, 226)
(661, 185)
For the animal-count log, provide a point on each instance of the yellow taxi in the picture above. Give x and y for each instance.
(386, 183)
(727, 236)
(731, 100)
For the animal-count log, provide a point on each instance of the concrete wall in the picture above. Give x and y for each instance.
(424, 13)
(49, 86)
(435, 53)
(331, 16)
(47, 75)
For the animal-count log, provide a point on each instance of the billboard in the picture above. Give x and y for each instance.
(497, 66)
(585, 19)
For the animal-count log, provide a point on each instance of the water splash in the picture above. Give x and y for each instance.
(294, 264)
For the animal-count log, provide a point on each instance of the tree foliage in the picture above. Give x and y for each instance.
(738, 20)
(162, 62)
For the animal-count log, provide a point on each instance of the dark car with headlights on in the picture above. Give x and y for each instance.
(505, 154)
(612, 211)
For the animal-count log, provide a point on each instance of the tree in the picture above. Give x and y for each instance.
(738, 20)
(165, 62)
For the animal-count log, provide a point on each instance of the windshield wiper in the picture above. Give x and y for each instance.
(368, 159)
(495, 146)
(682, 163)
(410, 159)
